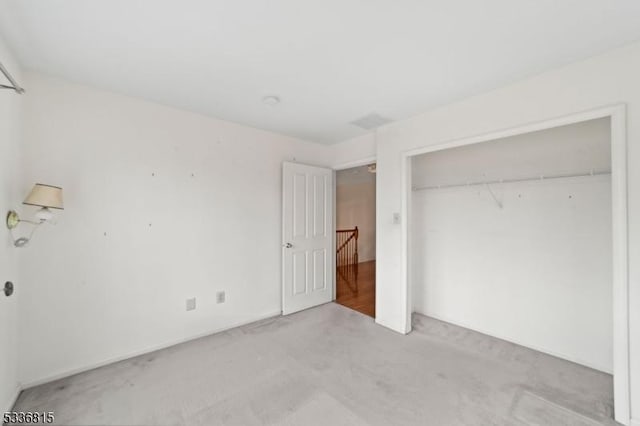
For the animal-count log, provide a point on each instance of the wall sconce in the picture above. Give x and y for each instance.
(44, 196)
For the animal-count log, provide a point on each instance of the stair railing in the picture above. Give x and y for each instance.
(347, 256)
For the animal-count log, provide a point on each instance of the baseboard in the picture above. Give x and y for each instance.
(387, 325)
(87, 367)
(518, 342)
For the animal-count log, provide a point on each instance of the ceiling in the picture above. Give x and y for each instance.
(331, 62)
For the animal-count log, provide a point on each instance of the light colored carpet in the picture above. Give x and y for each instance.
(333, 366)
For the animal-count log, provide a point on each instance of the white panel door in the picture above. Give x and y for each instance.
(307, 230)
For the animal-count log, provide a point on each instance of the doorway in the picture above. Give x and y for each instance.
(355, 247)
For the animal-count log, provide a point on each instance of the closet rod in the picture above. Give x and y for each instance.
(491, 182)
(15, 86)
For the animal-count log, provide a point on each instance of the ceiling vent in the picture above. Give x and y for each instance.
(371, 121)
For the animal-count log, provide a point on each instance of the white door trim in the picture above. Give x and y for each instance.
(617, 114)
(355, 163)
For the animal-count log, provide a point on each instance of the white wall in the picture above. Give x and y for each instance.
(604, 80)
(356, 206)
(160, 205)
(536, 271)
(10, 125)
(355, 150)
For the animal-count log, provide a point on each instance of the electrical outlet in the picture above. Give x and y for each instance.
(220, 297)
(191, 304)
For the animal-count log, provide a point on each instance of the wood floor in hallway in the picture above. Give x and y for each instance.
(356, 288)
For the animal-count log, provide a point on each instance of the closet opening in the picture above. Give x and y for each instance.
(522, 235)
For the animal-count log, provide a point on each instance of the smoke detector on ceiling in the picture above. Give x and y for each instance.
(371, 121)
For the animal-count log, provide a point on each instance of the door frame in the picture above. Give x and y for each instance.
(620, 247)
(336, 168)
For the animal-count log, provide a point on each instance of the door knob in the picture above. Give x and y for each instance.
(288, 245)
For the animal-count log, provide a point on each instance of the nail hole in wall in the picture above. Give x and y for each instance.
(8, 288)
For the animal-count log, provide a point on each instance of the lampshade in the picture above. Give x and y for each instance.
(45, 196)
